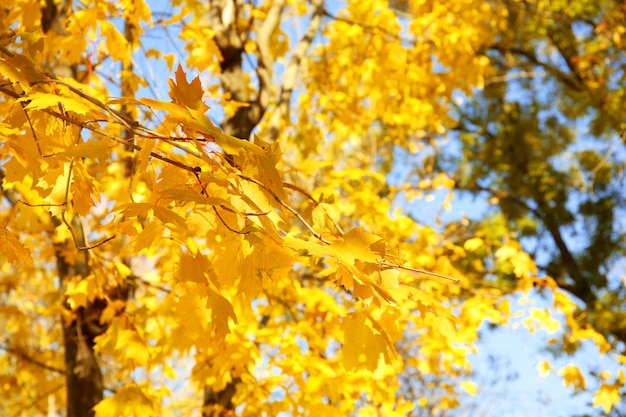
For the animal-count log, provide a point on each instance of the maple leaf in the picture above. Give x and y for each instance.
(470, 387)
(130, 400)
(572, 376)
(544, 367)
(241, 269)
(607, 396)
(39, 101)
(15, 252)
(363, 347)
(86, 290)
(543, 317)
(356, 245)
(185, 93)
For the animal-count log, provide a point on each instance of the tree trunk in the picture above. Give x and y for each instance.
(84, 378)
(84, 384)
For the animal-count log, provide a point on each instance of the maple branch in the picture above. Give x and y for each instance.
(121, 118)
(291, 72)
(573, 81)
(244, 213)
(151, 285)
(552, 15)
(286, 206)
(32, 129)
(35, 401)
(133, 125)
(371, 27)
(514, 76)
(580, 288)
(83, 246)
(239, 232)
(26, 203)
(264, 35)
(301, 191)
(118, 140)
(389, 265)
(28, 358)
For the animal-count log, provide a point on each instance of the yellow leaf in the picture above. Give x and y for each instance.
(362, 348)
(572, 376)
(14, 251)
(89, 149)
(443, 181)
(606, 397)
(115, 42)
(522, 264)
(166, 215)
(134, 348)
(544, 367)
(123, 343)
(221, 313)
(185, 93)
(150, 235)
(84, 190)
(445, 326)
(356, 246)
(473, 244)
(40, 101)
(126, 402)
(563, 302)
(581, 333)
(14, 74)
(470, 387)
(80, 294)
(543, 317)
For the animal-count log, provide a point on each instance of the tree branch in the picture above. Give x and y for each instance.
(291, 72)
(264, 68)
(30, 359)
(572, 80)
(580, 288)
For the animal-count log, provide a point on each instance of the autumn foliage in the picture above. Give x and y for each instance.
(226, 225)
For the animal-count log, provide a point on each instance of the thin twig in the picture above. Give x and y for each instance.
(370, 27)
(41, 204)
(32, 129)
(239, 232)
(419, 271)
(122, 119)
(301, 191)
(30, 359)
(286, 206)
(36, 400)
(133, 125)
(246, 214)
